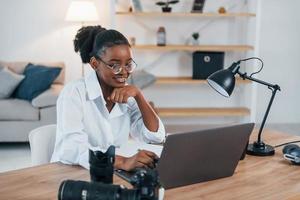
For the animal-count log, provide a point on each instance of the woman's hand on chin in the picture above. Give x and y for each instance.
(121, 95)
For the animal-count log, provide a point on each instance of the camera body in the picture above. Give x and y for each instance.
(145, 182)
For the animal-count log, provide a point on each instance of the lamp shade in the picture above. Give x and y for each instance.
(82, 11)
(223, 81)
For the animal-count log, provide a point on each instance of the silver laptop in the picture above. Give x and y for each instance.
(199, 156)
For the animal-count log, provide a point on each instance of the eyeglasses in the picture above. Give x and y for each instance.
(117, 68)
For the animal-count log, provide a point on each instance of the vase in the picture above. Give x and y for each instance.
(166, 9)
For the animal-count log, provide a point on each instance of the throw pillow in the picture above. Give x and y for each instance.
(8, 82)
(38, 78)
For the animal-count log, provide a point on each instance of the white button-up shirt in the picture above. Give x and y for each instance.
(83, 123)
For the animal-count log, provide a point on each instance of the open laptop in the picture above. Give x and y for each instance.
(199, 156)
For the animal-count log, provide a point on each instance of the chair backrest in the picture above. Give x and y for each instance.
(42, 141)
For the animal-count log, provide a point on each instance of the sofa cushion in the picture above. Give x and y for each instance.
(16, 109)
(8, 82)
(38, 78)
(47, 98)
(19, 67)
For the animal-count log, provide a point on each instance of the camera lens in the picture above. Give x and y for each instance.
(71, 190)
(102, 165)
(81, 190)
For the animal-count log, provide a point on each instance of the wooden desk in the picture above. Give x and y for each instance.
(255, 178)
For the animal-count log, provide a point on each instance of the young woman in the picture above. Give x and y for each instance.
(102, 109)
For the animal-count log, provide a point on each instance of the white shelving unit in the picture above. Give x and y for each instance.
(143, 25)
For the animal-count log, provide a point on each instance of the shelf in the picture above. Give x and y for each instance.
(189, 80)
(202, 112)
(215, 48)
(182, 14)
(192, 19)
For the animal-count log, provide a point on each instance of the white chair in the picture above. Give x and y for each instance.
(42, 141)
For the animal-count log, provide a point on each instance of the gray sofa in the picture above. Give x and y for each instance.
(19, 117)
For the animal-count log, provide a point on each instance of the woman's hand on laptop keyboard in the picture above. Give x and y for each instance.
(143, 158)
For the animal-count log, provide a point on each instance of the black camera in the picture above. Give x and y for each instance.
(145, 182)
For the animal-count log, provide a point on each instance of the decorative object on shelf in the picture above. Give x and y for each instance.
(161, 36)
(222, 10)
(141, 79)
(165, 5)
(132, 41)
(206, 63)
(82, 11)
(195, 37)
(136, 6)
(193, 40)
(223, 81)
(198, 6)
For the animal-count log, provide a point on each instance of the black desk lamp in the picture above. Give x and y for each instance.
(223, 81)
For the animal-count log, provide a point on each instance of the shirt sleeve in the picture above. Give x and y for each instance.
(72, 146)
(138, 128)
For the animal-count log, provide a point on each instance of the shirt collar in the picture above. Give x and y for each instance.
(93, 87)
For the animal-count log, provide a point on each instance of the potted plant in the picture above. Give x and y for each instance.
(165, 5)
(195, 37)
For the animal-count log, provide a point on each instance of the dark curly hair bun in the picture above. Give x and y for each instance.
(84, 41)
(93, 40)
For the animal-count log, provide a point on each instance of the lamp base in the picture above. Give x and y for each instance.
(260, 149)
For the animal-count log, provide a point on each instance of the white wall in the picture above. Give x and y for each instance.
(35, 30)
(280, 50)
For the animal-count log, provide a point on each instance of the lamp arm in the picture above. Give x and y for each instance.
(274, 89)
(245, 76)
(266, 115)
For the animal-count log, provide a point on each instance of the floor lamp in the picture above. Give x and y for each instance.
(82, 11)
